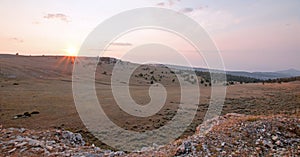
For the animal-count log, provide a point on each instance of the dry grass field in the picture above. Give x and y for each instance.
(44, 84)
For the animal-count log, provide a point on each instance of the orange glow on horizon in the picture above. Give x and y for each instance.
(71, 51)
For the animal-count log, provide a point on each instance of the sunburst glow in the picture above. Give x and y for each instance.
(71, 51)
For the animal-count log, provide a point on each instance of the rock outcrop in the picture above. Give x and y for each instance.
(228, 135)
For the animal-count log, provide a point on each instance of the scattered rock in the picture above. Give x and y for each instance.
(238, 135)
(49, 148)
(35, 112)
(22, 130)
(12, 150)
(185, 148)
(18, 116)
(21, 144)
(25, 115)
(33, 142)
(73, 138)
(228, 135)
(278, 143)
(274, 137)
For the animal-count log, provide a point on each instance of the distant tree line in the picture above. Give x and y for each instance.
(230, 78)
(280, 80)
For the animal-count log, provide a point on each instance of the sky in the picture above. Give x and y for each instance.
(253, 35)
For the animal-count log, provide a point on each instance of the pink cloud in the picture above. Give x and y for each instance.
(187, 10)
(161, 4)
(17, 40)
(121, 44)
(59, 16)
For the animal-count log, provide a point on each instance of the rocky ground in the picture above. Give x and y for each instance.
(239, 135)
(23, 142)
(228, 135)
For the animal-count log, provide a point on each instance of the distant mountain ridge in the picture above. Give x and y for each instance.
(262, 75)
(292, 71)
(258, 75)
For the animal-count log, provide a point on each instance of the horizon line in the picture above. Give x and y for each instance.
(205, 68)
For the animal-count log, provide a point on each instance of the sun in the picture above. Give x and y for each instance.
(72, 51)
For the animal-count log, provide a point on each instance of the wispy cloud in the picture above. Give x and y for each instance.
(168, 3)
(213, 20)
(187, 10)
(58, 16)
(161, 4)
(95, 49)
(171, 2)
(18, 40)
(36, 22)
(121, 44)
